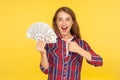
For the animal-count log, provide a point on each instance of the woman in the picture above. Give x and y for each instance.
(63, 60)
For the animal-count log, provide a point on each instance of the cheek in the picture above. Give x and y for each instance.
(59, 28)
(70, 22)
(70, 25)
(58, 23)
(70, 28)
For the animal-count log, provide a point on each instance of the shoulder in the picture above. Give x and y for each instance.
(83, 43)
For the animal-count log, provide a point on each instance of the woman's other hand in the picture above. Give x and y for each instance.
(40, 46)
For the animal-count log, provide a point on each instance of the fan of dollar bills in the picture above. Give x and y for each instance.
(41, 31)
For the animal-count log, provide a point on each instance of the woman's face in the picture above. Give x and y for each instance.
(64, 23)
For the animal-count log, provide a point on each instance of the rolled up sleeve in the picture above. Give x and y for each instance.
(96, 60)
(43, 69)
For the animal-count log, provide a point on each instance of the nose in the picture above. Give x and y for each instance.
(63, 22)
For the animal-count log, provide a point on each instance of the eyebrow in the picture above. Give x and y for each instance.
(66, 17)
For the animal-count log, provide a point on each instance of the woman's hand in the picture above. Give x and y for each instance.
(40, 46)
(73, 46)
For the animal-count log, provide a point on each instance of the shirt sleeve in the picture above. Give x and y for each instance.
(96, 59)
(43, 69)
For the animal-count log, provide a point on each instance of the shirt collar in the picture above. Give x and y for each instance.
(59, 36)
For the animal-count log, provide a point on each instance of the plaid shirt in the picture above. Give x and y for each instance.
(67, 68)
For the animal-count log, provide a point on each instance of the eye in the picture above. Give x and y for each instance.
(59, 19)
(68, 19)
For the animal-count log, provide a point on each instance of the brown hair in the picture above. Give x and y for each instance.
(75, 27)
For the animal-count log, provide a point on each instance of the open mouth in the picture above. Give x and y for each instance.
(64, 28)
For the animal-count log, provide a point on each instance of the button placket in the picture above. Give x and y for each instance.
(66, 59)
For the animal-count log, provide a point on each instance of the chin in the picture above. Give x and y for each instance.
(64, 34)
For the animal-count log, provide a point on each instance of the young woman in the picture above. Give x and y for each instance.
(63, 60)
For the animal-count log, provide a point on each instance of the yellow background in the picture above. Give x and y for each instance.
(99, 22)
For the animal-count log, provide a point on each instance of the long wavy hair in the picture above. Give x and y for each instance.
(75, 27)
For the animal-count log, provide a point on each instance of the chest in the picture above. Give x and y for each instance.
(59, 51)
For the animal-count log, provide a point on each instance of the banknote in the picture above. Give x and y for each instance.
(41, 31)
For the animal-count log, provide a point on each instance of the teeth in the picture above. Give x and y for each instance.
(64, 27)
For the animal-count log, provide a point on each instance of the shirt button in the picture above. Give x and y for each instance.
(64, 70)
(64, 78)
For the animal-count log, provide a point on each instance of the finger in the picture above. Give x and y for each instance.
(43, 44)
(38, 44)
(69, 45)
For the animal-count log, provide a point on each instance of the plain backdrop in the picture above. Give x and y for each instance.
(99, 22)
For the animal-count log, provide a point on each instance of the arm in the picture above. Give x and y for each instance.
(86, 52)
(74, 47)
(44, 65)
(96, 60)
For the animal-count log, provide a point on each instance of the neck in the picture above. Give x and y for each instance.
(66, 37)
